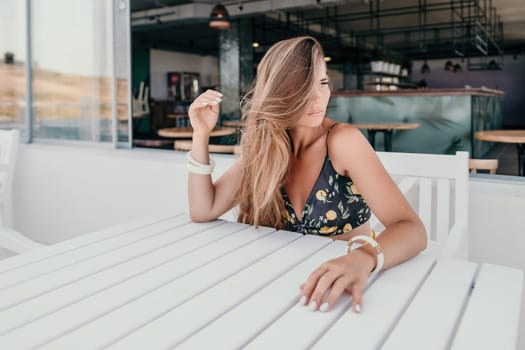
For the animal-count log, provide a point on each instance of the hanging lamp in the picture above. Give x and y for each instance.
(219, 17)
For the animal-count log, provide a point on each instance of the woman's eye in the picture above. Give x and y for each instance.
(324, 83)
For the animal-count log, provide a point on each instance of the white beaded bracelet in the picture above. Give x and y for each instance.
(353, 243)
(199, 168)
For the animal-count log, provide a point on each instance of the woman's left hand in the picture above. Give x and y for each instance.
(349, 272)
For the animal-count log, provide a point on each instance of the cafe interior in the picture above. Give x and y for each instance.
(104, 140)
(445, 69)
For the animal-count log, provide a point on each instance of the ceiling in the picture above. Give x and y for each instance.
(341, 25)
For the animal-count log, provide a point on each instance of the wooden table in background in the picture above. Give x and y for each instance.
(187, 133)
(507, 136)
(165, 282)
(387, 129)
(233, 123)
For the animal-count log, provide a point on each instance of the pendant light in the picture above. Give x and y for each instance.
(219, 17)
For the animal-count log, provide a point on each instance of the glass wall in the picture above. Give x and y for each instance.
(12, 64)
(74, 75)
(77, 83)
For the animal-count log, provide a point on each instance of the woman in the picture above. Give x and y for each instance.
(303, 172)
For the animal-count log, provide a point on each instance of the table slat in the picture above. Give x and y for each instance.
(204, 308)
(169, 248)
(383, 304)
(130, 305)
(80, 263)
(497, 293)
(52, 261)
(61, 247)
(301, 329)
(431, 318)
(256, 313)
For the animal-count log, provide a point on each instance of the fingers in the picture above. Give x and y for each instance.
(308, 287)
(357, 292)
(326, 284)
(339, 286)
(210, 97)
(322, 287)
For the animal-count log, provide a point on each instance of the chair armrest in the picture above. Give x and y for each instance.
(16, 242)
(456, 245)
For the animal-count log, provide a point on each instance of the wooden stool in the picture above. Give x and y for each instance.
(483, 164)
(185, 145)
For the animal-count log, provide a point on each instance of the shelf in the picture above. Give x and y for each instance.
(383, 74)
(400, 84)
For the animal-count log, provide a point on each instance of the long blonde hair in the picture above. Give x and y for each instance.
(286, 79)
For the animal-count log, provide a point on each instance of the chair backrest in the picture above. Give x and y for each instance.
(483, 164)
(140, 104)
(437, 188)
(9, 140)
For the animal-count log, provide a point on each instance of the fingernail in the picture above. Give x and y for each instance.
(218, 99)
(312, 306)
(357, 308)
(219, 94)
(302, 301)
(204, 103)
(214, 103)
(324, 307)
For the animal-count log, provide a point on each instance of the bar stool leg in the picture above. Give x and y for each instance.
(388, 140)
(372, 137)
(521, 158)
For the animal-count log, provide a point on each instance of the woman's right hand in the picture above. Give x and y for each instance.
(204, 111)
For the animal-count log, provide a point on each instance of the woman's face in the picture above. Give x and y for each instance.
(317, 106)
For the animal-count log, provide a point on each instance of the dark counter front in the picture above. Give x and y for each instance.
(448, 117)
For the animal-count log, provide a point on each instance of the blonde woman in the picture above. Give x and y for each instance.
(303, 172)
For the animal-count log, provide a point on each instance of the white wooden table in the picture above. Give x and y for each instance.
(160, 283)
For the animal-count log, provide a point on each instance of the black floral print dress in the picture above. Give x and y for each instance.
(334, 206)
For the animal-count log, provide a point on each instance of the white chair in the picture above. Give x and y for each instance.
(437, 188)
(16, 242)
(10, 239)
(8, 151)
(141, 102)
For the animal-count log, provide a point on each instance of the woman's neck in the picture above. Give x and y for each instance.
(304, 137)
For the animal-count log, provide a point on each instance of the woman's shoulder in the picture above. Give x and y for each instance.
(347, 145)
(341, 134)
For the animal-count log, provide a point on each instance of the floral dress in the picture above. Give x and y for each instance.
(334, 206)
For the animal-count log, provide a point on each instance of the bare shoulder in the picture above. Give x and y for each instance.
(344, 139)
(347, 146)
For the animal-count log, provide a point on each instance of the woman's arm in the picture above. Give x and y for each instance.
(208, 200)
(404, 235)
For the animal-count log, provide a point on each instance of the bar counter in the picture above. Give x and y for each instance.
(448, 117)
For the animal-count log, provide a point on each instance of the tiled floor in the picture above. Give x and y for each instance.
(508, 158)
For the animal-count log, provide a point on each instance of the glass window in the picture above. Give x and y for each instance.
(73, 71)
(12, 64)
